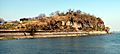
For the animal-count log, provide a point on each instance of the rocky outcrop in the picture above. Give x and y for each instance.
(69, 21)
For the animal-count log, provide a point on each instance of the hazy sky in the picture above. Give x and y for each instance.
(108, 10)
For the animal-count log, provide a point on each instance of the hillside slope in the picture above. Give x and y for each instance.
(60, 21)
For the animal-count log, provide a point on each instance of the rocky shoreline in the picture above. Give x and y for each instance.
(7, 36)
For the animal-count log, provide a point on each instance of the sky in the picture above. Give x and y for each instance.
(108, 10)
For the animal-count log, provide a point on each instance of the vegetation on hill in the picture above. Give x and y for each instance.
(59, 21)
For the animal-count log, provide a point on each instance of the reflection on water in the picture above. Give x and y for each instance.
(102, 44)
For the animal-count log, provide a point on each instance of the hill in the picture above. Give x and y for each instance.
(59, 21)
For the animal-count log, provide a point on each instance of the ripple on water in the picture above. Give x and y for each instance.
(102, 44)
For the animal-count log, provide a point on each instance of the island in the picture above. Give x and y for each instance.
(57, 24)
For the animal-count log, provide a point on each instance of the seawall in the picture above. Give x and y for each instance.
(24, 35)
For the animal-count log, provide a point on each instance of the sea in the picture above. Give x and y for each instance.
(94, 44)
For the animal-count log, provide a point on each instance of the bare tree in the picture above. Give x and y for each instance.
(41, 15)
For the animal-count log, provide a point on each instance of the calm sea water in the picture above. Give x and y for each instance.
(102, 44)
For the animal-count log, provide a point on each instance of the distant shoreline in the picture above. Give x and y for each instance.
(24, 35)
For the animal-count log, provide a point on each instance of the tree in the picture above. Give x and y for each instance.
(62, 14)
(31, 28)
(1, 20)
(52, 14)
(24, 19)
(107, 29)
(78, 11)
(57, 13)
(41, 15)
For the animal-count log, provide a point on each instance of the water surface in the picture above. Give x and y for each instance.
(101, 44)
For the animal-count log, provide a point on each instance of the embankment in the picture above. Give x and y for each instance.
(22, 35)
